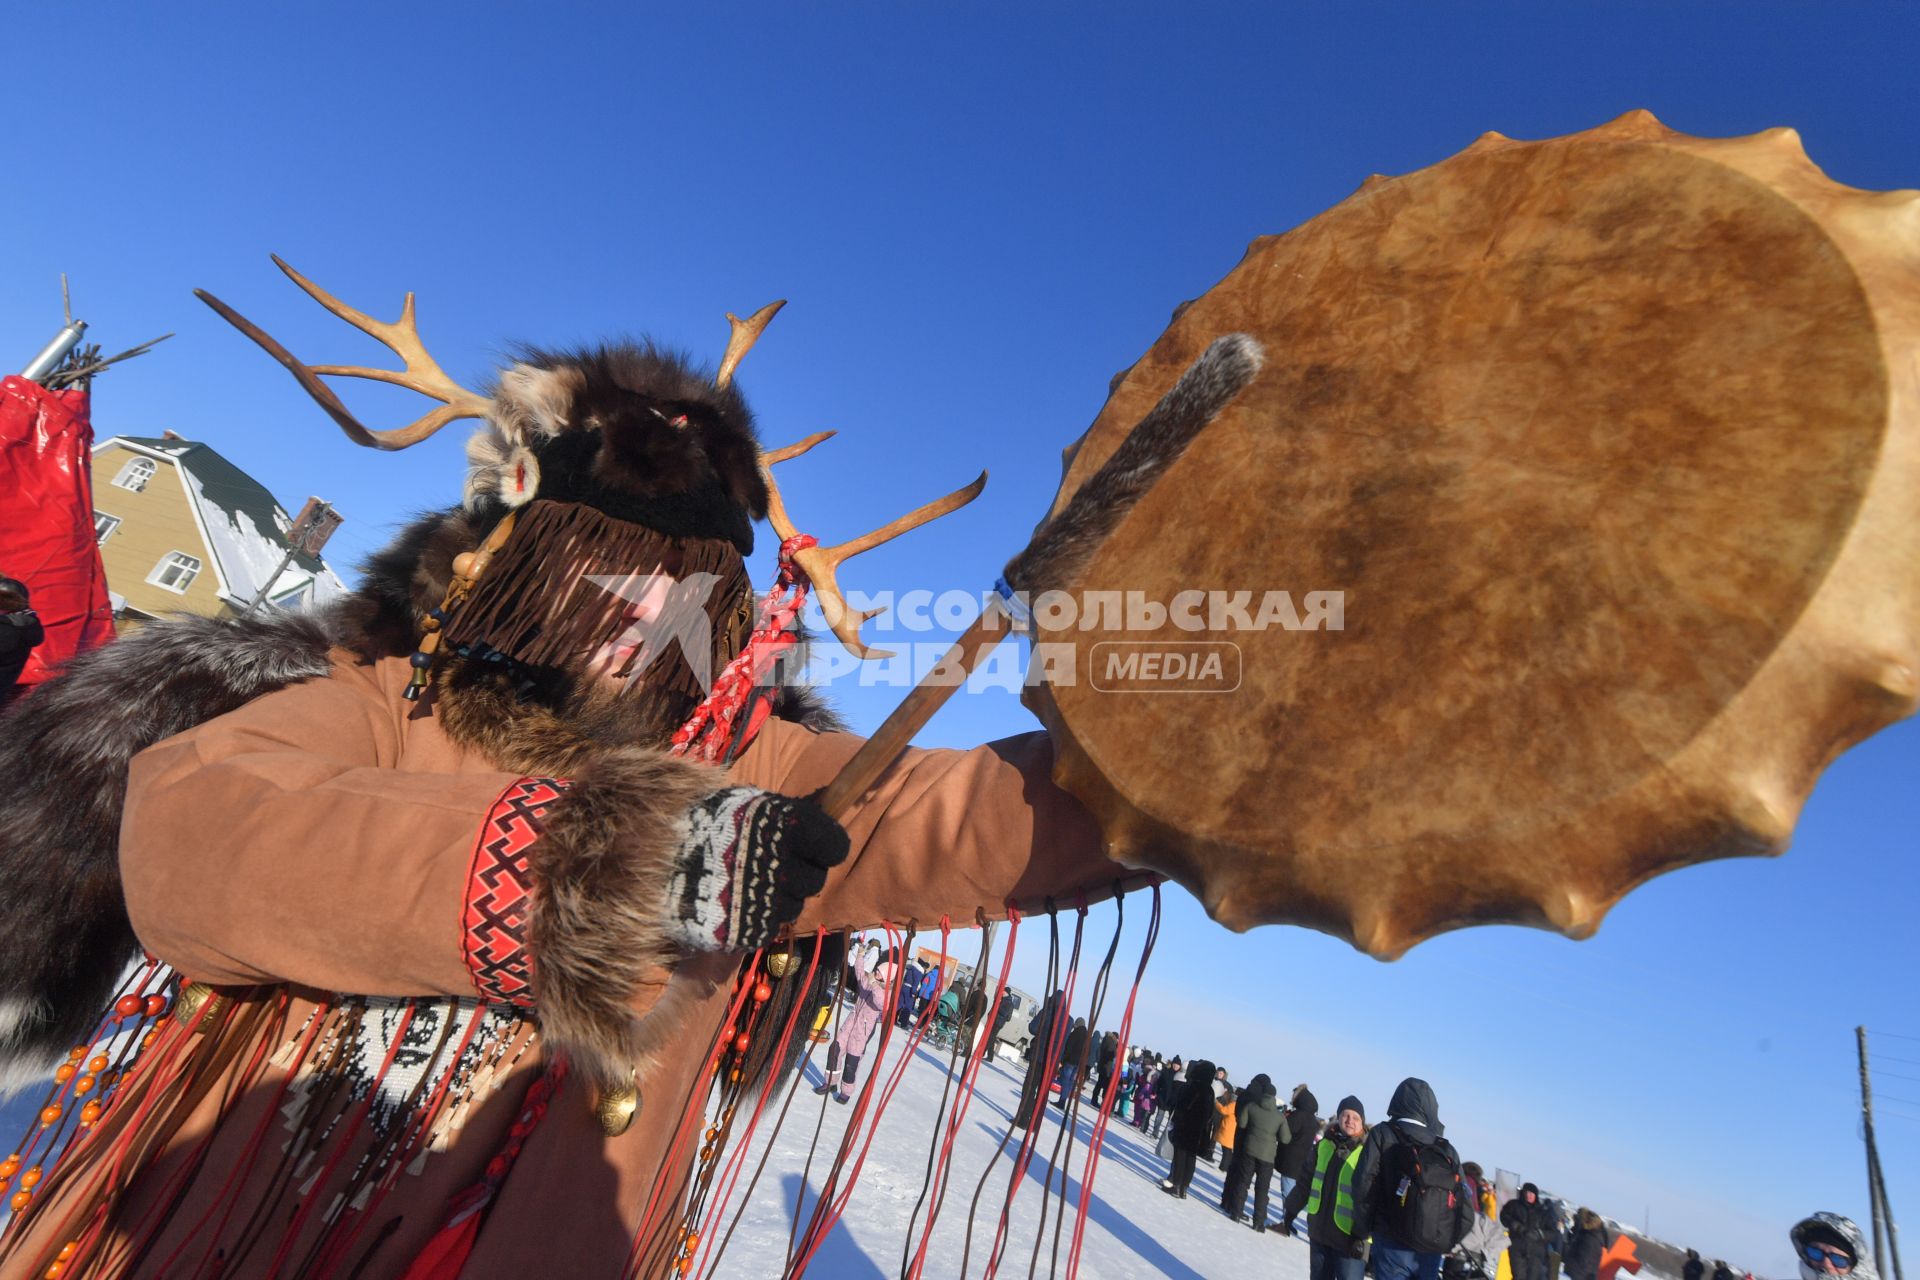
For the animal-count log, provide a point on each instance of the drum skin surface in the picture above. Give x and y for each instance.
(1605, 446)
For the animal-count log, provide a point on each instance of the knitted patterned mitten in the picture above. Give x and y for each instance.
(751, 859)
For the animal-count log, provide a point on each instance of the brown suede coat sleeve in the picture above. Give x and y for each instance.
(322, 835)
(943, 832)
(314, 836)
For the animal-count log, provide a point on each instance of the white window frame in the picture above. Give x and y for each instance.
(167, 562)
(100, 535)
(145, 468)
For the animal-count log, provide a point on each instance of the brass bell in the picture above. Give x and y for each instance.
(783, 964)
(191, 997)
(616, 1108)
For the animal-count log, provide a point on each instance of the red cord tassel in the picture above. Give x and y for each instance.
(446, 1254)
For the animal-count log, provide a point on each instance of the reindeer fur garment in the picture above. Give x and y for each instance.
(64, 933)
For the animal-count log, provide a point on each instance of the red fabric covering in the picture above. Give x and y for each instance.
(46, 520)
(1620, 1256)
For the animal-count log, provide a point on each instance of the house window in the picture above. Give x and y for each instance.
(103, 526)
(176, 571)
(135, 474)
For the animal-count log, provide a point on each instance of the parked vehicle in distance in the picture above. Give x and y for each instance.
(1017, 1032)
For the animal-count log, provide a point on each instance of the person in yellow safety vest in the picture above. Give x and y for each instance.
(1336, 1254)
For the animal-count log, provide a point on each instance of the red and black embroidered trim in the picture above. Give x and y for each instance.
(495, 933)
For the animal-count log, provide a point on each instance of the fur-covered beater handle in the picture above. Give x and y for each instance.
(750, 861)
(1062, 545)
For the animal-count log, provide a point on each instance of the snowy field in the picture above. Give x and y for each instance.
(1133, 1228)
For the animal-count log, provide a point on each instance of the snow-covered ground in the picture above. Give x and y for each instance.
(1133, 1228)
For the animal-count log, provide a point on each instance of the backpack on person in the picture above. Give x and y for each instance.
(1424, 1191)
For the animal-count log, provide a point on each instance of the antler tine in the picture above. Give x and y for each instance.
(920, 515)
(422, 373)
(822, 564)
(745, 334)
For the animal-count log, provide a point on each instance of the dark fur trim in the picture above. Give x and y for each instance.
(787, 992)
(803, 704)
(64, 936)
(600, 873)
(406, 578)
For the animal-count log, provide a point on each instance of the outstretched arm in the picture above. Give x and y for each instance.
(942, 832)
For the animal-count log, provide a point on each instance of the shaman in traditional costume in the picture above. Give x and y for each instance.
(443, 912)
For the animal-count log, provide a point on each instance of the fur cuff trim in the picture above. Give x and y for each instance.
(597, 922)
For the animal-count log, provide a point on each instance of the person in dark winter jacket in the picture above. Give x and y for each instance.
(1001, 1017)
(1296, 1158)
(1071, 1059)
(20, 634)
(1721, 1271)
(1262, 1128)
(1586, 1246)
(1166, 1091)
(1191, 1127)
(904, 1005)
(1413, 1119)
(1338, 1248)
(1033, 1090)
(973, 1007)
(1103, 1065)
(1693, 1268)
(1530, 1226)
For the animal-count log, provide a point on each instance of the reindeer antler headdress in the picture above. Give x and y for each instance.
(599, 465)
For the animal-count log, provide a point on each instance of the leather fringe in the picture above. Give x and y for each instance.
(539, 602)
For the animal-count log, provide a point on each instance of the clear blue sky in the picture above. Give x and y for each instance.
(980, 212)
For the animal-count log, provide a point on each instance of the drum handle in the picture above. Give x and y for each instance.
(907, 719)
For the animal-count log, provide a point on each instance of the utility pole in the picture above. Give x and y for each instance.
(1885, 1234)
(1886, 1212)
(310, 522)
